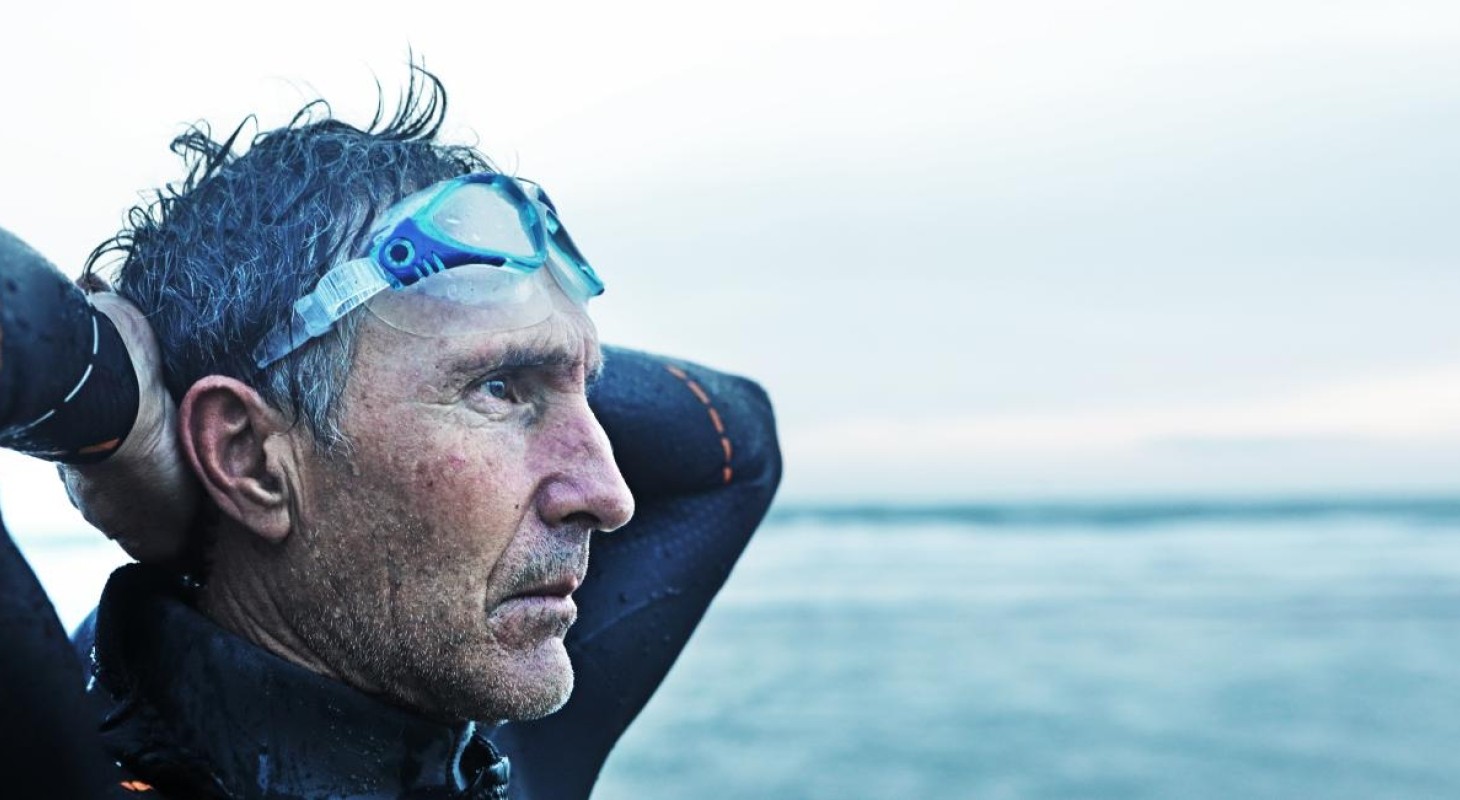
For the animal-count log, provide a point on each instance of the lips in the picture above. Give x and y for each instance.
(544, 609)
(561, 586)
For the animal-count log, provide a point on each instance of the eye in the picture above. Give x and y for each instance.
(496, 388)
(499, 395)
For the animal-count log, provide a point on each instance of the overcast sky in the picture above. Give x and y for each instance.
(975, 250)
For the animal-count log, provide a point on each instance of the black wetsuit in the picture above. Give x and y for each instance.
(697, 448)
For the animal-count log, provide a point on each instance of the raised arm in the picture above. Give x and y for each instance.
(50, 340)
(698, 448)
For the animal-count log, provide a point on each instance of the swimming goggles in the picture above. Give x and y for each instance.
(463, 255)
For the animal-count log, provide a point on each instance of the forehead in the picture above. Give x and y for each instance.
(388, 355)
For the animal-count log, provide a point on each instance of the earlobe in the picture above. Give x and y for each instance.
(233, 441)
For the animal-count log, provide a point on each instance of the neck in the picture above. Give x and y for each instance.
(240, 596)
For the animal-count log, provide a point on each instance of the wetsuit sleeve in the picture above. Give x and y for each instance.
(68, 391)
(48, 741)
(698, 449)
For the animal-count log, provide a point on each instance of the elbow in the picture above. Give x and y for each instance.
(756, 459)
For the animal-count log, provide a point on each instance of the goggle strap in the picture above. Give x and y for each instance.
(341, 290)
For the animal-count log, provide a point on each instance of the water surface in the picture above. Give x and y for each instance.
(1181, 651)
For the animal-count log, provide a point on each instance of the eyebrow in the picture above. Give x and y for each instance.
(526, 356)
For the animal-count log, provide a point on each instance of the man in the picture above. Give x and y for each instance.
(383, 363)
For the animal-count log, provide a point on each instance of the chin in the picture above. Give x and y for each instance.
(525, 685)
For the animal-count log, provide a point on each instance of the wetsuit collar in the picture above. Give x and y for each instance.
(200, 708)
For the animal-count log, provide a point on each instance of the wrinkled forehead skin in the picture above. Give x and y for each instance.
(429, 359)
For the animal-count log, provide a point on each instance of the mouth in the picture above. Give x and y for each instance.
(542, 610)
(558, 586)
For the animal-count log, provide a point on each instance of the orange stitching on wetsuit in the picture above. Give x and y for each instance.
(109, 444)
(715, 420)
(700, 393)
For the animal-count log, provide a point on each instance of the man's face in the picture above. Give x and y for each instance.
(433, 563)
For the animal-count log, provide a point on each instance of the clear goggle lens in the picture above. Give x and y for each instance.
(469, 299)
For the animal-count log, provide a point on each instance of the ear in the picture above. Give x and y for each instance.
(236, 444)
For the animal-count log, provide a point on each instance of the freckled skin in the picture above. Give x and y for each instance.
(405, 551)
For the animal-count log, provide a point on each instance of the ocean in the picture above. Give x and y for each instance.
(1280, 650)
(1287, 650)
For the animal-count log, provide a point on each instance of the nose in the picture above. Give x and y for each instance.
(583, 484)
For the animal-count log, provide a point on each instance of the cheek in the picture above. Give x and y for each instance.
(460, 489)
(433, 477)
(471, 498)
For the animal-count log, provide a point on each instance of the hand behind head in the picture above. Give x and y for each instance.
(143, 496)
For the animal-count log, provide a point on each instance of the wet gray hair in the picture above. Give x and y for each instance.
(218, 259)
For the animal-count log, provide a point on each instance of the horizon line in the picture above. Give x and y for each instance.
(1122, 511)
